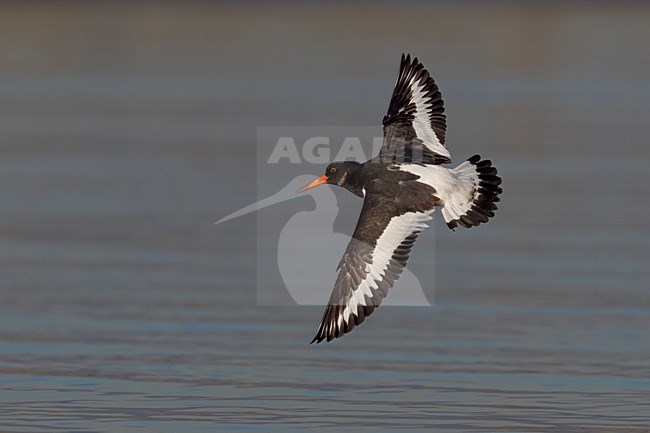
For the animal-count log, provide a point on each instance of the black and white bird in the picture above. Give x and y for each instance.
(401, 188)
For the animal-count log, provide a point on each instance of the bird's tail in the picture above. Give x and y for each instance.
(478, 192)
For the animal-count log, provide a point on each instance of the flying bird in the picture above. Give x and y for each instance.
(401, 188)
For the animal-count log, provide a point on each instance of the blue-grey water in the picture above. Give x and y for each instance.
(126, 130)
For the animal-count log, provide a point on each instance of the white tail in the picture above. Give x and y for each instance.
(477, 190)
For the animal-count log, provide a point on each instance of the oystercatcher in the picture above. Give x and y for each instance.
(401, 188)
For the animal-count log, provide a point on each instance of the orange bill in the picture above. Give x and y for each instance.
(321, 180)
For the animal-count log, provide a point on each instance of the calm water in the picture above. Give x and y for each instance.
(126, 131)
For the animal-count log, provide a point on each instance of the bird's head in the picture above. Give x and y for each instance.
(337, 173)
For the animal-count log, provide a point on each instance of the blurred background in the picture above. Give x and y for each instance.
(127, 129)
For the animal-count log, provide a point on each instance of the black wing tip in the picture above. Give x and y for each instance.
(329, 333)
(320, 337)
(407, 65)
(406, 60)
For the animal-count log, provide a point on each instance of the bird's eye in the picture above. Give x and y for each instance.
(333, 170)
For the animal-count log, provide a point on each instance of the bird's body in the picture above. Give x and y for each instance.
(401, 188)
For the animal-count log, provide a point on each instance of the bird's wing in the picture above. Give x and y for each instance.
(372, 262)
(414, 127)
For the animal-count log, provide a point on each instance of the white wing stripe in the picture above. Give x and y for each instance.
(422, 122)
(398, 229)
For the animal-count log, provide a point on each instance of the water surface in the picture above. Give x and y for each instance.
(126, 131)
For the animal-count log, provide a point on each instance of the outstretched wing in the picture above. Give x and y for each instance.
(372, 262)
(414, 128)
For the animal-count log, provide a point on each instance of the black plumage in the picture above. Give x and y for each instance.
(400, 191)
